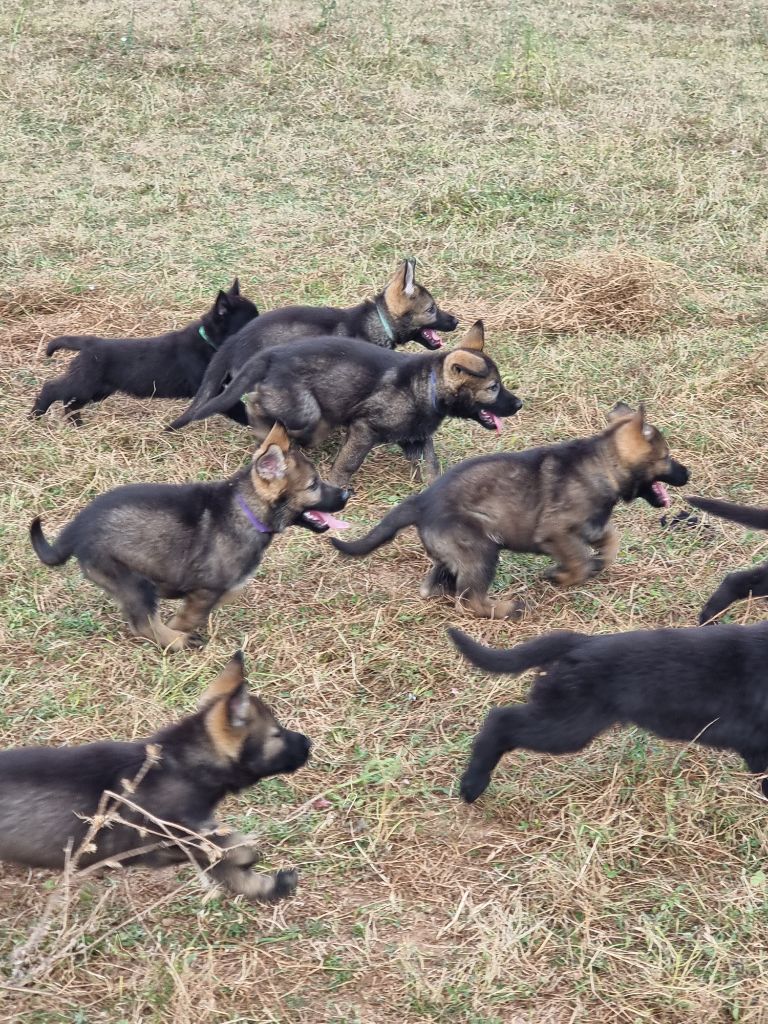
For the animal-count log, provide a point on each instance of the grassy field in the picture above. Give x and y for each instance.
(149, 152)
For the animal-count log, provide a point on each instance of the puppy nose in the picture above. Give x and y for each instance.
(518, 404)
(345, 495)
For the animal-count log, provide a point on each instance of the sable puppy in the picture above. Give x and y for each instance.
(200, 542)
(737, 586)
(403, 311)
(47, 794)
(708, 686)
(379, 397)
(555, 501)
(169, 366)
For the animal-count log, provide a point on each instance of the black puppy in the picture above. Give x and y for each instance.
(171, 365)
(737, 586)
(707, 686)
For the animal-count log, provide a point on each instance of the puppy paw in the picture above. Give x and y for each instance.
(285, 884)
(473, 785)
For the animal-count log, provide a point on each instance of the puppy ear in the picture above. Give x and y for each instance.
(234, 291)
(400, 288)
(409, 281)
(474, 339)
(460, 361)
(222, 304)
(230, 709)
(270, 465)
(230, 679)
(278, 435)
(619, 411)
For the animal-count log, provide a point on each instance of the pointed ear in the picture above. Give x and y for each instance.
(271, 465)
(222, 304)
(235, 289)
(460, 361)
(231, 708)
(400, 288)
(278, 435)
(409, 281)
(619, 411)
(474, 338)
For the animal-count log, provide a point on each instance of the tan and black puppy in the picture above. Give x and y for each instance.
(377, 396)
(737, 586)
(403, 311)
(172, 784)
(199, 541)
(556, 501)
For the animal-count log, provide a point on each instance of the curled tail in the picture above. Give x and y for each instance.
(71, 342)
(49, 554)
(210, 398)
(747, 515)
(405, 514)
(529, 655)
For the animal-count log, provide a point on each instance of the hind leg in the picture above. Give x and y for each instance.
(565, 731)
(737, 586)
(65, 390)
(439, 582)
(195, 611)
(474, 577)
(137, 597)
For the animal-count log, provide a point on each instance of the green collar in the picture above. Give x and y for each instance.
(206, 339)
(385, 324)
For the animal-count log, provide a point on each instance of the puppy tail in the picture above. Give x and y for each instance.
(747, 515)
(49, 554)
(210, 399)
(72, 343)
(405, 514)
(529, 655)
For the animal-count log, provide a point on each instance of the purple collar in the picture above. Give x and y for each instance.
(257, 523)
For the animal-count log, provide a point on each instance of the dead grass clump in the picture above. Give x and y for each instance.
(613, 291)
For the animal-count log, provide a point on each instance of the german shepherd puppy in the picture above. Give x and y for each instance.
(709, 686)
(378, 396)
(737, 586)
(169, 366)
(173, 781)
(200, 542)
(555, 501)
(404, 311)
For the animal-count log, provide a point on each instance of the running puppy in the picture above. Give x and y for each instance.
(49, 795)
(377, 396)
(200, 542)
(169, 366)
(709, 686)
(737, 586)
(555, 501)
(403, 311)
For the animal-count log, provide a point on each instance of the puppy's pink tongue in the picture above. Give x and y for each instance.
(330, 521)
(497, 424)
(432, 336)
(661, 493)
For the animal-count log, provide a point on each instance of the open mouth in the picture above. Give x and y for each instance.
(319, 522)
(489, 421)
(661, 494)
(431, 338)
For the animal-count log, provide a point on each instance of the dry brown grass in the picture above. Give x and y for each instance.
(151, 152)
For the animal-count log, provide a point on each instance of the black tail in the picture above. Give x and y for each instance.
(405, 514)
(747, 515)
(49, 554)
(536, 652)
(72, 343)
(210, 398)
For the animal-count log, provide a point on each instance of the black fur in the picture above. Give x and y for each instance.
(171, 365)
(737, 586)
(694, 685)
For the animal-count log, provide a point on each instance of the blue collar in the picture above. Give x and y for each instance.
(202, 332)
(385, 323)
(257, 523)
(433, 388)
